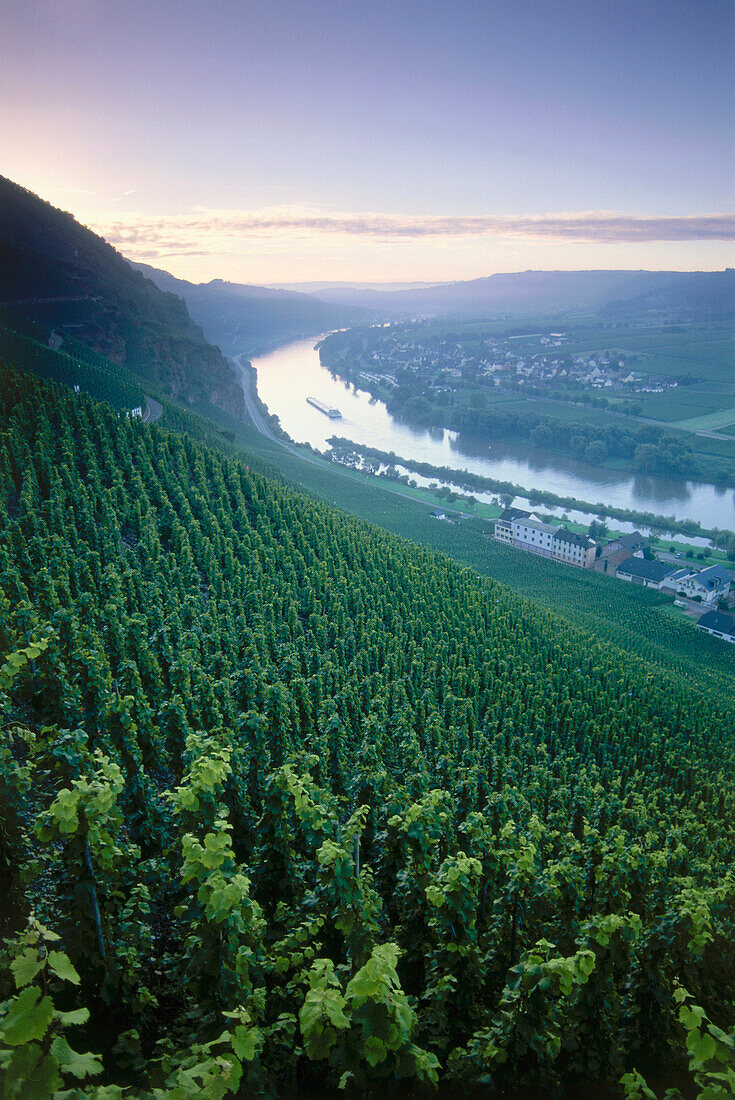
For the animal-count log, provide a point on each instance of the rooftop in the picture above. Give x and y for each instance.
(646, 570)
(632, 541)
(565, 535)
(514, 513)
(713, 575)
(716, 620)
(537, 525)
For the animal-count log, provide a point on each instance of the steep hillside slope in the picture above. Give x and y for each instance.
(261, 759)
(58, 273)
(249, 319)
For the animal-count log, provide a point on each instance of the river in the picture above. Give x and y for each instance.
(290, 374)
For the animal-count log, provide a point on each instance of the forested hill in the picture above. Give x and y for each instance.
(289, 801)
(57, 273)
(250, 319)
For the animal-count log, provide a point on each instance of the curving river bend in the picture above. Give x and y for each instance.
(287, 376)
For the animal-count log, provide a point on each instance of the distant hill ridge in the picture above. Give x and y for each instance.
(706, 293)
(244, 318)
(59, 274)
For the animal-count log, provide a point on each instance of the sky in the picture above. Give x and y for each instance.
(290, 140)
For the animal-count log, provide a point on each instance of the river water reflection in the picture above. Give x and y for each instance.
(287, 376)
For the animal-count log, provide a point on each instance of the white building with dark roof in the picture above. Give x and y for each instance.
(532, 534)
(649, 574)
(504, 523)
(719, 625)
(709, 584)
(574, 549)
(673, 580)
(635, 543)
(525, 531)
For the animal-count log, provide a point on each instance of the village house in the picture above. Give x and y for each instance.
(525, 531)
(708, 585)
(673, 581)
(649, 574)
(635, 543)
(504, 523)
(445, 517)
(619, 550)
(575, 549)
(718, 625)
(532, 534)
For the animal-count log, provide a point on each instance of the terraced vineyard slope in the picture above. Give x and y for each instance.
(285, 800)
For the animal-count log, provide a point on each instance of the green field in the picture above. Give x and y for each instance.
(569, 411)
(714, 420)
(701, 351)
(679, 406)
(704, 353)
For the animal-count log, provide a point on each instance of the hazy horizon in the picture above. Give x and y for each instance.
(313, 286)
(341, 142)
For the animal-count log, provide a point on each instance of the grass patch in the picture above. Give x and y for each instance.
(710, 421)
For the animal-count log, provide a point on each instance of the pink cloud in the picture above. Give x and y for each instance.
(217, 232)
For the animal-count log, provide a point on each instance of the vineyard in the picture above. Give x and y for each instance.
(630, 617)
(287, 802)
(634, 619)
(79, 366)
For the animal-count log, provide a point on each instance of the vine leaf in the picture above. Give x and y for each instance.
(27, 1018)
(62, 967)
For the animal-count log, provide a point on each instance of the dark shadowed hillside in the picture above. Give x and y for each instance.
(57, 273)
(248, 319)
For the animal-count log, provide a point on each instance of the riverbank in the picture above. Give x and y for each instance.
(437, 496)
(564, 424)
(688, 536)
(694, 551)
(343, 448)
(288, 376)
